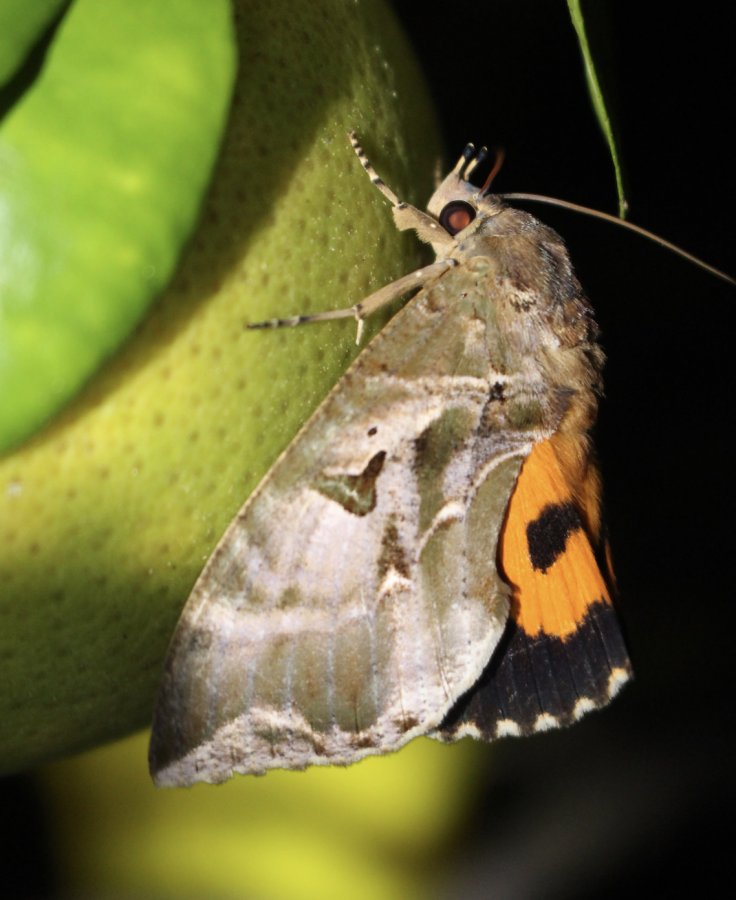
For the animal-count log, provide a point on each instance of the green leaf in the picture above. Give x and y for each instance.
(103, 165)
(599, 103)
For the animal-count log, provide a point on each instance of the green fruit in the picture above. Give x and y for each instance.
(381, 828)
(107, 515)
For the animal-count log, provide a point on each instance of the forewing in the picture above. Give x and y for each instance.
(355, 596)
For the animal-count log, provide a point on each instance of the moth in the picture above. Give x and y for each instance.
(427, 557)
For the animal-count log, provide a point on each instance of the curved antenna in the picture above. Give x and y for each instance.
(565, 204)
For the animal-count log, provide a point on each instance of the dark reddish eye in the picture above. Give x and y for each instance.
(456, 216)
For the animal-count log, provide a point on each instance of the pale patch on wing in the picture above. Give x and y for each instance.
(583, 706)
(507, 728)
(546, 722)
(446, 385)
(467, 729)
(618, 679)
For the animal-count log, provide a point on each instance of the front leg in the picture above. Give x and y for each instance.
(419, 278)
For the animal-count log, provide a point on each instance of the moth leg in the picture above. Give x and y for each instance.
(372, 302)
(379, 298)
(407, 216)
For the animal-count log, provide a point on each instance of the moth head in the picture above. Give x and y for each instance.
(457, 204)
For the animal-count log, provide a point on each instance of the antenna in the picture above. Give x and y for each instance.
(565, 204)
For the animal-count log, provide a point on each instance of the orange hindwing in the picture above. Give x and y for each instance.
(563, 653)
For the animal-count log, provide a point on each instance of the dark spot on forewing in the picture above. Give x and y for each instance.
(547, 535)
(355, 493)
(407, 723)
(489, 419)
(363, 740)
(523, 302)
(496, 394)
(200, 640)
(290, 598)
(392, 553)
(320, 748)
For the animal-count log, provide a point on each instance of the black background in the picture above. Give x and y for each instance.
(636, 800)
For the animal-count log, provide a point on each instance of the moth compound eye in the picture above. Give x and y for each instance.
(456, 216)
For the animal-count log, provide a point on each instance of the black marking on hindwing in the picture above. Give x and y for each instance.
(547, 535)
(355, 493)
(531, 676)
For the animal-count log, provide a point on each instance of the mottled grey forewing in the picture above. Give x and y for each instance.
(355, 596)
